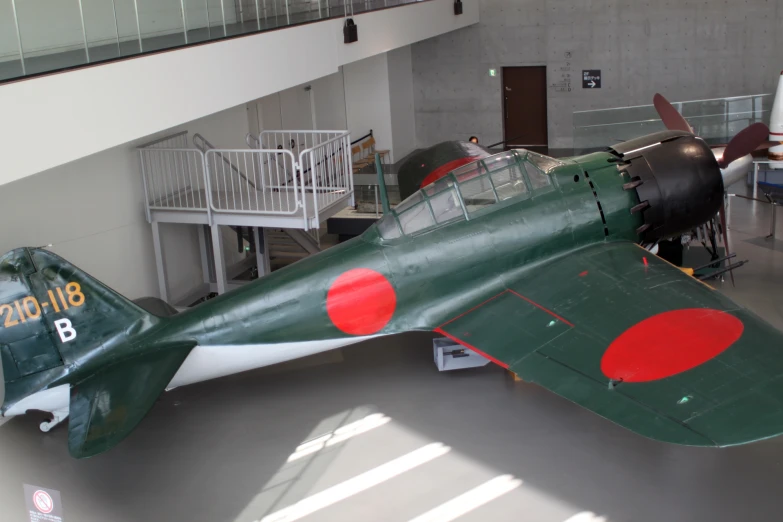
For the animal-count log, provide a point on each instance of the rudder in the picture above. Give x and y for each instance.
(53, 314)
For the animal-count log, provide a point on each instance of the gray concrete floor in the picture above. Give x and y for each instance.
(218, 451)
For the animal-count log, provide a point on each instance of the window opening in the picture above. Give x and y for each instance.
(446, 206)
(538, 180)
(416, 218)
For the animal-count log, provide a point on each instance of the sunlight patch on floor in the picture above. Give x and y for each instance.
(470, 500)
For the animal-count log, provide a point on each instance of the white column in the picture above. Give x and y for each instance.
(262, 251)
(160, 262)
(217, 254)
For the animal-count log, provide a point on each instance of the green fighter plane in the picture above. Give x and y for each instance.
(531, 261)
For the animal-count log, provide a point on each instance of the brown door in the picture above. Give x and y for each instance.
(524, 108)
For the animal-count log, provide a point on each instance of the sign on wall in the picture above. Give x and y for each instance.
(561, 75)
(591, 79)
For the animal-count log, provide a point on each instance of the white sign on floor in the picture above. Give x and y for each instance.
(44, 505)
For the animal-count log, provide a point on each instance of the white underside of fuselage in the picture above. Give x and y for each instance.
(202, 364)
(210, 362)
(50, 399)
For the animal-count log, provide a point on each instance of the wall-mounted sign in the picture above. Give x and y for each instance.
(560, 76)
(493, 72)
(591, 79)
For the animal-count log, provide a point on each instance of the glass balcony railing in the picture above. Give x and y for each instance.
(717, 120)
(49, 35)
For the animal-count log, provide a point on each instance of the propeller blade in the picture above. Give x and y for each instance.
(671, 118)
(725, 235)
(768, 144)
(745, 142)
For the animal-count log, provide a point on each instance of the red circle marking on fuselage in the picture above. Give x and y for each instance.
(670, 343)
(361, 301)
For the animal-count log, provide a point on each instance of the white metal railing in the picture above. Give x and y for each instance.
(174, 176)
(205, 146)
(271, 180)
(294, 140)
(253, 181)
(330, 169)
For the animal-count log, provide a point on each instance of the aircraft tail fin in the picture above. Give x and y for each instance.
(52, 314)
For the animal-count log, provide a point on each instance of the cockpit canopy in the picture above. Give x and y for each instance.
(469, 189)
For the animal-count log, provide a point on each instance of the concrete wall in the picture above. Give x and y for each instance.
(92, 212)
(403, 120)
(684, 49)
(48, 25)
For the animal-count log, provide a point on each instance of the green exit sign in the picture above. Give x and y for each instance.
(493, 72)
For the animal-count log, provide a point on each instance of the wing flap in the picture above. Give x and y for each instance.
(109, 404)
(524, 327)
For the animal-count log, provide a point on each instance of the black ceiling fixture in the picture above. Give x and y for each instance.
(457, 7)
(350, 31)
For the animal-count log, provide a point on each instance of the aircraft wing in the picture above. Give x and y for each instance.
(631, 337)
(106, 406)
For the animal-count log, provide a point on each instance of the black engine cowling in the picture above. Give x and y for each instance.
(677, 179)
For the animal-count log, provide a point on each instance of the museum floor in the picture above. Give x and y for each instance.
(229, 450)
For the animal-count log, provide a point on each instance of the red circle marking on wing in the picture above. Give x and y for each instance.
(361, 301)
(670, 343)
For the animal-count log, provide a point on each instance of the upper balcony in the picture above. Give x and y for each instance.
(97, 74)
(44, 37)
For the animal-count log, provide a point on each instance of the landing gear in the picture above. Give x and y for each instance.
(57, 417)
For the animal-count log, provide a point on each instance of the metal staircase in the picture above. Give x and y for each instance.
(287, 246)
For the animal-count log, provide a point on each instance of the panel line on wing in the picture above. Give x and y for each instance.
(550, 312)
(471, 347)
(473, 309)
(630, 398)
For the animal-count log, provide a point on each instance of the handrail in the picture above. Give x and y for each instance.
(160, 140)
(336, 138)
(252, 141)
(368, 135)
(728, 98)
(206, 146)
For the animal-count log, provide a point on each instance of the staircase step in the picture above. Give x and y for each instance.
(297, 255)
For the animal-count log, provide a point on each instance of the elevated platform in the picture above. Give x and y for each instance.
(168, 212)
(299, 181)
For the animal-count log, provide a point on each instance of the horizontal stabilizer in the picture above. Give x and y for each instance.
(106, 406)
